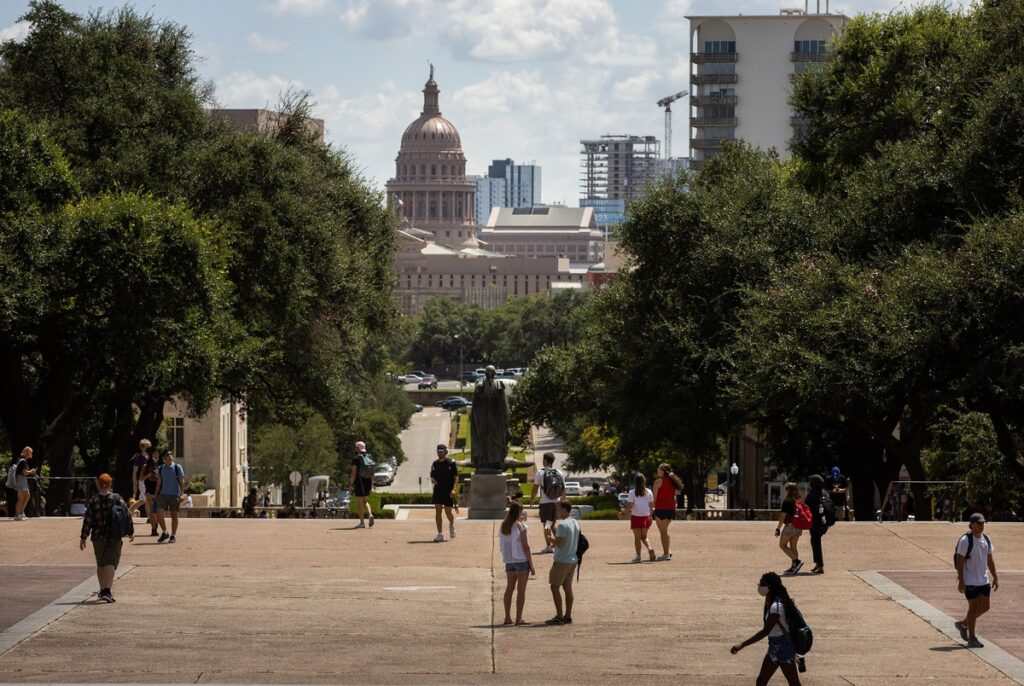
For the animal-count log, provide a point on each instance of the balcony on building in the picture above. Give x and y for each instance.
(704, 100)
(701, 122)
(808, 56)
(706, 143)
(700, 79)
(708, 57)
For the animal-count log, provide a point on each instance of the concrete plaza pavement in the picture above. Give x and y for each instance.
(315, 601)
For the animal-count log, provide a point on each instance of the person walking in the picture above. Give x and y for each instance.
(22, 472)
(170, 487)
(149, 479)
(639, 504)
(138, 462)
(444, 475)
(787, 533)
(514, 542)
(779, 616)
(106, 523)
(666, 486)
(361, 478)
(823, 516)
(549, 482)
(976, 576)
(838, 487)
(564, 537)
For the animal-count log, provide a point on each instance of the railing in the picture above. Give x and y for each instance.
(808, 56)
(706, 143)
(708, 57)
(702, 100)
(699, 79)
(700, 122)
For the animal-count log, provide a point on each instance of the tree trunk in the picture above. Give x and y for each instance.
(1006, 444)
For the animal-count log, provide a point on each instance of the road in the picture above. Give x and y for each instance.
(419, 443)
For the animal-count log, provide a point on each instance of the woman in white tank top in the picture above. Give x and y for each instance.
(514, 543)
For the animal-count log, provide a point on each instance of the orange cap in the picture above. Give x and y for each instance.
(104, 480)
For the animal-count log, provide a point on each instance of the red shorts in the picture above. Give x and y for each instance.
(639, 522)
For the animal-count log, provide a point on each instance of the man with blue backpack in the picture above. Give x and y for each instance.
(106, 523)
(976, 576)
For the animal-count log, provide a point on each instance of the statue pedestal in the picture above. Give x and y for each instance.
(487, 496)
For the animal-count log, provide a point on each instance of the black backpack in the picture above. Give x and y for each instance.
(120, 520)
(970, 546)
(800, 633)
(827, 510)
(553, 483)
(582, 546)
(367, 467)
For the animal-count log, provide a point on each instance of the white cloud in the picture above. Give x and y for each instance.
(261, 43)
(15, 32)
(308, 8)
(384, 19)
(633, 89)
(504, 92)
(246, 89)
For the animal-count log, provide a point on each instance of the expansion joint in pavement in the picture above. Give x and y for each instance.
(494, 665)
(945, 560)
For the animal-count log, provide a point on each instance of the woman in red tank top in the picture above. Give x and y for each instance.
(665, 488)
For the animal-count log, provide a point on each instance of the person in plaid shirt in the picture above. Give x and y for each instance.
(96, 526)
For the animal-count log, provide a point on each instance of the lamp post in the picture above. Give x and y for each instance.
(462, 380)
(733, 471)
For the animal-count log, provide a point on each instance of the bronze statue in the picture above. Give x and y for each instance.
(489, 424)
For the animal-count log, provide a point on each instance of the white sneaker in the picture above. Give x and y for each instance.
(439, 538)
(636, 559)
(665, 558)
(451, 531)
(360, 525)
(547, 549)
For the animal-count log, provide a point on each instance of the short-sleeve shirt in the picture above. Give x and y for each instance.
(789, 507)
(22, 466)
(641, 503)
(568, 529)
(538, 482)
(153, 463)
(976, 566)
(139, 460)
(781, 627)
(444, 473)
(169, 474)
(512, 545)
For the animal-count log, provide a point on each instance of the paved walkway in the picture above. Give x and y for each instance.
(290, 601)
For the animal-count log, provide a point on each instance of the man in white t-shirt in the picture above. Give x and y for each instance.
(547, 503)
(976, 576)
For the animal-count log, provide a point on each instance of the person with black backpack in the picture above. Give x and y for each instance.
(975, 575)
(823, 513)
(549, 484)
(361, 479)
(107, 521)
(785, 628)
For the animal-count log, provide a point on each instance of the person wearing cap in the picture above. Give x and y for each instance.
(361, 478)
(836, 485)
(976, 576)
(444, 474)
(96, 526)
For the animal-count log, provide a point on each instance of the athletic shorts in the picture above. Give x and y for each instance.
(561, 573)
(790, 530)
(517, 567)
(108, 553)
(973, 592)
(362, 487)
(639, 522)
(547, 512)
(665, 514)
(443, 496)
(171, 503)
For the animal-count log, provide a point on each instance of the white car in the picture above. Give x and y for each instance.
(572, 488)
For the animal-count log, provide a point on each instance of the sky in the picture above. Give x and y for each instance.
(520, 79)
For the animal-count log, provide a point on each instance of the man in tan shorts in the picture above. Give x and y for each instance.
(563, 536)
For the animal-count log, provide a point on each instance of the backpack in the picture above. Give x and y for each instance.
(802, 516)
(12, 476)
(827, 510)
(367, 467)
(582, 546)
(120, 520)
(800, 633)
(970, 546)
(553, 483)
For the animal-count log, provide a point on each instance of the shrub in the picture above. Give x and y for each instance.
(601, 514)
(599, 502)
(197, 485)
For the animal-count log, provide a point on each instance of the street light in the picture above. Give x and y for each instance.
(462, 379)
(733, 471)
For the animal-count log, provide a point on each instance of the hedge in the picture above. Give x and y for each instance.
(601, 514)
(599, 502)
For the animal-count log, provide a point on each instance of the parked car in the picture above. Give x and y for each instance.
(470, 377)
(454, 402)
(410, 378)
(623, 498)
(416, 407)
(572, 488)
(507, 374)
(428, 381)
(384, 476)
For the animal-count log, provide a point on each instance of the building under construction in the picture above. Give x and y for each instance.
(618, 167)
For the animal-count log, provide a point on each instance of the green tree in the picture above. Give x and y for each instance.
(279, 449)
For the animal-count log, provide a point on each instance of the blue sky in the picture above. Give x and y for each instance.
(525, 79)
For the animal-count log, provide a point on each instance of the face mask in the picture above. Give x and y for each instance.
(763, 590)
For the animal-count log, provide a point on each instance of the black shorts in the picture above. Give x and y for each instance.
(442, 496)
(973, 592)
(362, 487)
(547, 512)
(664, 514)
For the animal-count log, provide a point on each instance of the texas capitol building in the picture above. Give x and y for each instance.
(438, 249)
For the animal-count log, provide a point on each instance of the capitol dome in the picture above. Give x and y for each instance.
(429, 188)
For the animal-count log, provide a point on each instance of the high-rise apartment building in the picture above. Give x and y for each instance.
(618, 167)
(741, 71)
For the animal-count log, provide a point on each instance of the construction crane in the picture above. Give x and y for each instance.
(666, 102)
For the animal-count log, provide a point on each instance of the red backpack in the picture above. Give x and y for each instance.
(802, 516)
